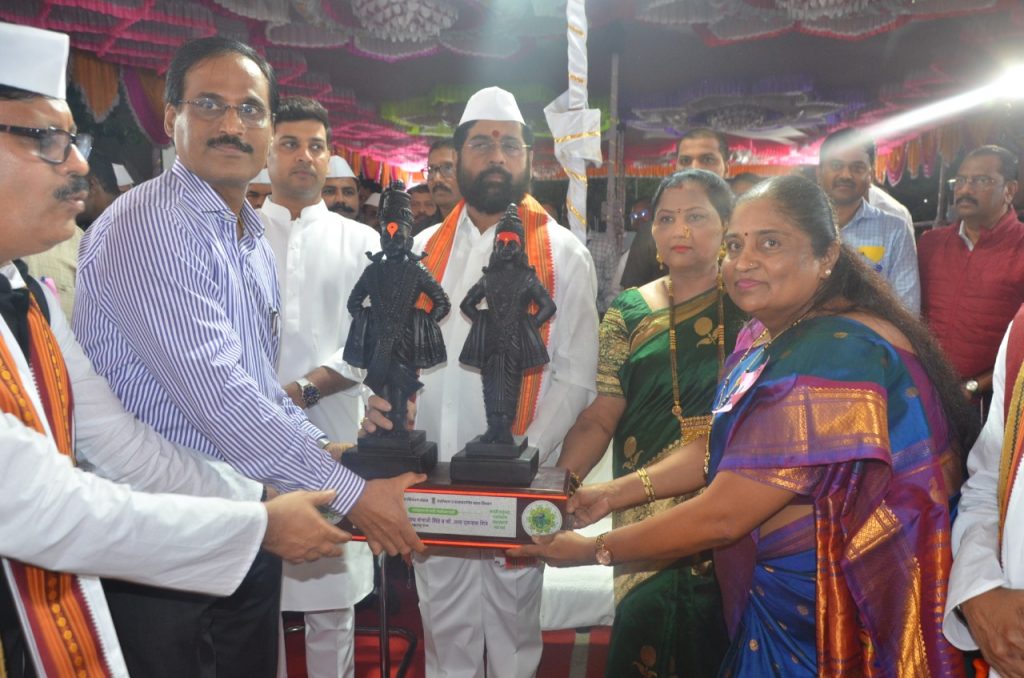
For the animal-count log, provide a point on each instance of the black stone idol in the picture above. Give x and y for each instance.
(503, 343)
(393, 338)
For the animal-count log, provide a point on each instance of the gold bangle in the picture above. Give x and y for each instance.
(648, 487)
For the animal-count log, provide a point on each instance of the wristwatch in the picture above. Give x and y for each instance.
(971, 385)
(310, 393)
(602, 552)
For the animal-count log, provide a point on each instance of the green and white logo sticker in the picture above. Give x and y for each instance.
(541, 517)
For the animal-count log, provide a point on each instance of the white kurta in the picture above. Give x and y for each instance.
(468, 599)
(319, 258)
(977, 566)
(87, 525)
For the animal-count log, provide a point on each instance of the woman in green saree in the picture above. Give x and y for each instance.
(662, 348)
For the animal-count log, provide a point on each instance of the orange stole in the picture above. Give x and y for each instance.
(538, 252)
(61, 625)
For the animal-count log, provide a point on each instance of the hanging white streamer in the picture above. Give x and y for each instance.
(576, 128)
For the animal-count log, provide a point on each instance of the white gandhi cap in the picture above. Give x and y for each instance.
(262, 178)
(492, 103)
(339, 168)
(122, 176)
(33, 59)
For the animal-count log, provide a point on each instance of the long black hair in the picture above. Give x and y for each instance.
(853, 286)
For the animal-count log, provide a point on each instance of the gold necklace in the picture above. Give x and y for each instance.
(677, 407)
(757, 343)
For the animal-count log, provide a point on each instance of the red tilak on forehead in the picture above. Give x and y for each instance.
(392, 228)
(495, 133)
(508, 236)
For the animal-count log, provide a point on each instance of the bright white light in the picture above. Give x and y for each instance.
(1009, 85)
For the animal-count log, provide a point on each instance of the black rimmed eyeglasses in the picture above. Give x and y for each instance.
(54, 144)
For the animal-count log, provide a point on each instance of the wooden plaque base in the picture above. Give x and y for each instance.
(484, 516)
(386, 457)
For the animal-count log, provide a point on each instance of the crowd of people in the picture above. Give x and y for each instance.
(814, 418)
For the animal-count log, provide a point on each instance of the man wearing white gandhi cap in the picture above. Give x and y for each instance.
(259, 189)
(55, 623)
(475, 600)
(341, 189)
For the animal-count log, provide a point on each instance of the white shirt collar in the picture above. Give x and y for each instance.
(278, 213)
(962, 232)
(12, 273)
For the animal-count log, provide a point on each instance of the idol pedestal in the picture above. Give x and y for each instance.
(386, 457)
(512, 465)
(390, 456)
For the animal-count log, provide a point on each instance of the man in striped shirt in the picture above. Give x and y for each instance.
(178, 308)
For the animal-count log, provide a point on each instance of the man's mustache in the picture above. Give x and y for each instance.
(342, 208)
(77, 184)
(228, 140)
(497, 172)
(843, 182)
(967, 199)
(438, 188)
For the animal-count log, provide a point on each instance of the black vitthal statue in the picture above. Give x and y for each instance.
(393, 337)
(505, 339)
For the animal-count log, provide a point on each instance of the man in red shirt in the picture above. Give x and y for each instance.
(972, 272)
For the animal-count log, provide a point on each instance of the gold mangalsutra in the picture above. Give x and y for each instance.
(726, 381)
(677, 406)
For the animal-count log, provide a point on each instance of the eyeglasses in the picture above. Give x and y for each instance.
(980, 181)
(639, 215)
(207, 108)
(445, 169)
(512, 148)
(856, 168)
(54, 144)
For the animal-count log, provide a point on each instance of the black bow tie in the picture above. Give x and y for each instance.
(14, 309)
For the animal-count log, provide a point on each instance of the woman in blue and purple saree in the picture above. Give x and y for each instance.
(834, 453)
(855, 583)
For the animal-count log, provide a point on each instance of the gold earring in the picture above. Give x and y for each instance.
(828, 272)
(657, 256)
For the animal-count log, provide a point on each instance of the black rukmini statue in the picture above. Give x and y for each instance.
(392, 338)
(505, 339)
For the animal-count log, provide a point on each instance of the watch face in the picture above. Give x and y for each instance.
(310, 394)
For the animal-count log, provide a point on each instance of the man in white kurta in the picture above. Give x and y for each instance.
(319, 256)
(986, 584)
(472, 599)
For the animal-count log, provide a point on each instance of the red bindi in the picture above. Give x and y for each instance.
(495, 134)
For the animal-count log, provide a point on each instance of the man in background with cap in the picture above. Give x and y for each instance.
(319, 256)
(341, 188)
(258, 189)
(475, 601)
(56, 516)
(179, 307)
(368, 214)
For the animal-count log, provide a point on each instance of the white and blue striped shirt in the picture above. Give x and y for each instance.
(181, 318)
(887, 244)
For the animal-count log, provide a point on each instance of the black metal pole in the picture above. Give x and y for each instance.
(382, 604)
